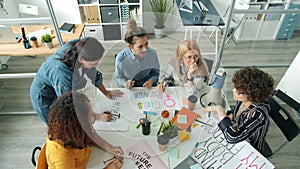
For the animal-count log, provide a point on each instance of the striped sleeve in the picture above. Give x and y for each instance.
(252, 121)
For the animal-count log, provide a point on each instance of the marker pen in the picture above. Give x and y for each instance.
(195, 146)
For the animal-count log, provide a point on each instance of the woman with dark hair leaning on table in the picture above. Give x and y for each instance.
(68, 69)
(249, 120)
(71, 134)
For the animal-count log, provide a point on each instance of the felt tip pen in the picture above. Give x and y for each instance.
(195, 146)
(204, 123)
(164, 86)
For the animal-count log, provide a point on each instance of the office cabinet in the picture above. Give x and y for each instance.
(93, 31)
(112, 32)
(289, 24)
(268, 26)
(92, 14)
(110, 14)
(108, 1)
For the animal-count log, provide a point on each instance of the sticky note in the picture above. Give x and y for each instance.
(182, 119)
(196, 166)
(183, 135)
(195, 125)
(173, 153)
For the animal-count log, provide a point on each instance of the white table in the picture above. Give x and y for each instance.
(128, 138)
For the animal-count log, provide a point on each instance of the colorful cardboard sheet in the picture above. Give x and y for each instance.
(191, 116)
(215, 151)
(138, 100)
(144, 156)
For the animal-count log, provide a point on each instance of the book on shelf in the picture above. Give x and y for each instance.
(133, 13)
(67, 28)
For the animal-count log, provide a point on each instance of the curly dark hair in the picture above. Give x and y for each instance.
(69, 121)
(256, 84)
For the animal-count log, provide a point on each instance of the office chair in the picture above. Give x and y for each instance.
(283, 120)
(209, 63)
(41, 162)
(233, 27)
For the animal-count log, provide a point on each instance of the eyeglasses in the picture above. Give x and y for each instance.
(190, 57)
(238, 92)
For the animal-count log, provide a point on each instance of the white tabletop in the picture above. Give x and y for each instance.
(201, 133)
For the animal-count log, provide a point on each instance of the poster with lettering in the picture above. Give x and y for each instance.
(137, 100)
(144, 156)
(214, 151)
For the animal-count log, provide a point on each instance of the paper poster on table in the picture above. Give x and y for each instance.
(137, 100)
(144, 156)
(101, 103)
(117, 123)
(215, 151)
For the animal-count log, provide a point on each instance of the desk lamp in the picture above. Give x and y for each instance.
(215, 96)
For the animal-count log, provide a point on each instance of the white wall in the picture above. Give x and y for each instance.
(65, 10)
(41, 4)
(10, 8)
(289, 83)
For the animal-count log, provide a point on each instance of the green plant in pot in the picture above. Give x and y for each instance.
(161, 10)
(170, 129)
(47, 40)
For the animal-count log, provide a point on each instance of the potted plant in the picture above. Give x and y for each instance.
(161, 10)
(47, 40)
(171, 130)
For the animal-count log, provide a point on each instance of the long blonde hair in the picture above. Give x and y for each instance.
(187, 45)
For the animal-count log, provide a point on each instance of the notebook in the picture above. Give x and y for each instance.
(8, 36)
(189, 116)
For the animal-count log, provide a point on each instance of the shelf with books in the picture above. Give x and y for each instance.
(261, 26)
(110, 14)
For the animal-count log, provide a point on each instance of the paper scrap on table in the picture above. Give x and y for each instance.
(173, 153)
(181, 119)
(196, 166)
(116, 125)
(195, 125)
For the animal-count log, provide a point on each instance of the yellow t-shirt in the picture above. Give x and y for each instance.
(59, 157)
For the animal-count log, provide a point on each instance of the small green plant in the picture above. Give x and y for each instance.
(161, 10)
(171, 129)
(46, 38)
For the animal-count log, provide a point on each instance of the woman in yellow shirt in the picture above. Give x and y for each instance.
(70, 134)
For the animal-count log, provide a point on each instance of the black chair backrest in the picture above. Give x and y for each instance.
(288, 100)
(283, 120)
(209, 64)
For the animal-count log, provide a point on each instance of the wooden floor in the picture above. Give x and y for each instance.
(20, 133)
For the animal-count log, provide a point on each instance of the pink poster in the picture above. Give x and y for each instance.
(144, 157)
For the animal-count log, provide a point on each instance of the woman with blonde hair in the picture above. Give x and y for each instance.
(187, 69)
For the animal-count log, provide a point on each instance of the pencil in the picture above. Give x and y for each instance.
(204, 123)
